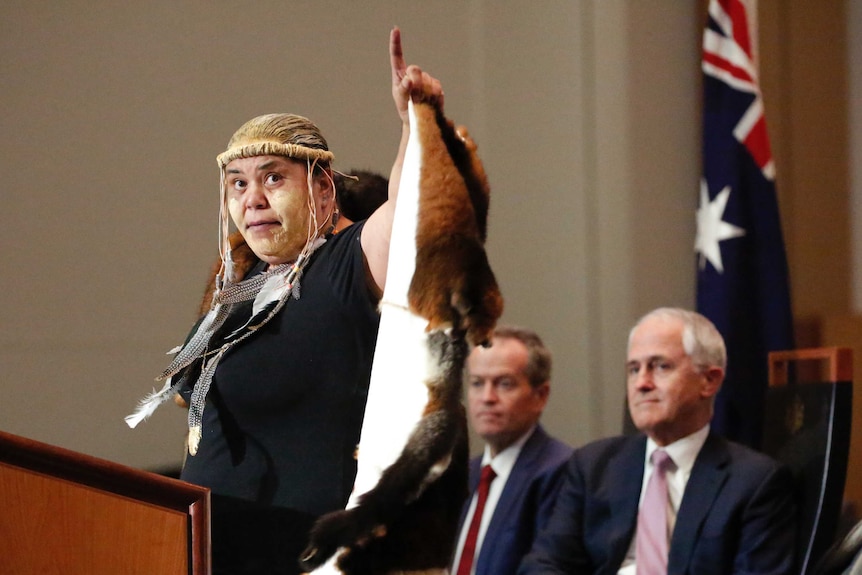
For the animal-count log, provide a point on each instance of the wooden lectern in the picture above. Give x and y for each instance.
(70, 513)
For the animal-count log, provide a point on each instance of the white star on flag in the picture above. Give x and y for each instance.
(711, 229)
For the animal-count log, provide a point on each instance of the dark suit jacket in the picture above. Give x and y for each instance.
(736, 516)
(525, 503)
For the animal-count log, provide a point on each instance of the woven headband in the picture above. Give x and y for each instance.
(270, 148)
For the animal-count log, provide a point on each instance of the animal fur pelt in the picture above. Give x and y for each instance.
(408, 520)
(453, 284)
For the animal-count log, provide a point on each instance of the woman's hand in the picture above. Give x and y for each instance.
(410, 81)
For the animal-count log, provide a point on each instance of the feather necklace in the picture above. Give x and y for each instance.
(270, 291)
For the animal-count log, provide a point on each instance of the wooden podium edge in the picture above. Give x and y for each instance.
(120, 480)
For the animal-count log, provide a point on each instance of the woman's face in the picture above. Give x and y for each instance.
(269, 203)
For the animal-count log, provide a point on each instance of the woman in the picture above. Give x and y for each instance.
(276, 372)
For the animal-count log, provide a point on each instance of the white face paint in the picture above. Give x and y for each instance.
(269, 203)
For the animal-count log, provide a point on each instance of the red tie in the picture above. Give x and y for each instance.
(467, 553)
(651, 539)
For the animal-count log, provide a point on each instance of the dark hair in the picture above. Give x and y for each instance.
(359, 193)
(538, 368)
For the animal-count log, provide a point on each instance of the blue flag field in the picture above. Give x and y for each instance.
(742, 277)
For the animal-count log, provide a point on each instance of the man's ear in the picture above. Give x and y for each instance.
(713, 376)
(543, 391)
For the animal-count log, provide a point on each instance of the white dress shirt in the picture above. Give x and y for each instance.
(502, 465)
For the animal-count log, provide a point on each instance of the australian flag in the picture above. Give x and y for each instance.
(742, 279)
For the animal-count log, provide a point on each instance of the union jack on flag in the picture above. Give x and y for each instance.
(742, 278)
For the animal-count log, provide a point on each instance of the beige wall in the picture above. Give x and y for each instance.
(811, 64)
(586, 114)
(805, 85)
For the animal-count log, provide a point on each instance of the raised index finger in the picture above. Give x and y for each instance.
(396, 56)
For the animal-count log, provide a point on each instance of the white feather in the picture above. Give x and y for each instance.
(272, 291)
(194, 439)
(228, 267)
(148, 404)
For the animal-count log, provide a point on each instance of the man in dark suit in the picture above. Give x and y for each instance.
(508, 387)
(725, 508)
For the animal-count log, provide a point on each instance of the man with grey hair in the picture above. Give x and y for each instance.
(675, 498)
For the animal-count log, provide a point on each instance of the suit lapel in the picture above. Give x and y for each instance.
(532, 449)
(514, 485)
(622, 492)
(707, 477)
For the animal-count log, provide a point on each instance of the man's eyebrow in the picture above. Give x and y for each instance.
(648, 359)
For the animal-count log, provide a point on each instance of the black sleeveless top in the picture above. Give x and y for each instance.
(284, 412)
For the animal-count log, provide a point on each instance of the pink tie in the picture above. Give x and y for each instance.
(651, 545)
(466, 562)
